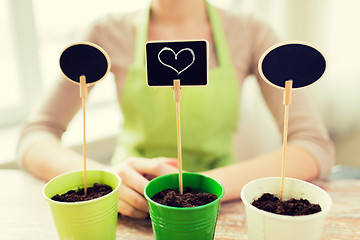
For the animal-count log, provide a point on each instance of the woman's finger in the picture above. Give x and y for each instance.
(156, 167)
(133, 179)
(127, 210)
(133, 198)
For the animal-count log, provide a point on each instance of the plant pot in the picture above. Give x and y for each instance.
(92, 220)
(184, 223)
(270, 226)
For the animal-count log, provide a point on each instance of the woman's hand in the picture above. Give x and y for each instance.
(135, 173)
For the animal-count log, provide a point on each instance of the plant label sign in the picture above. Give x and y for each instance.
(298, 62)
(287, 66)
(84, 64)
(184, 60)
(84, 59)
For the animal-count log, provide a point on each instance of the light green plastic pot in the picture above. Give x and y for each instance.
(184, 223)
(91, 220)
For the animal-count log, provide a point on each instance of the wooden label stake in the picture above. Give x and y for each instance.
(177, 99)
(287, 102)
(83, 95)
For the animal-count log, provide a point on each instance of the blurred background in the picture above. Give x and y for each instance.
(34, 33)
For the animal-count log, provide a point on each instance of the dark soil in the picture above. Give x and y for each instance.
(190, 198)
(96, 191)
(292, 207)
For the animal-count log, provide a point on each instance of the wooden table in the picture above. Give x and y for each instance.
(25, 215)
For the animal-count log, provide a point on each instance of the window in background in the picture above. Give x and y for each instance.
(18, 41)
(10, 96)
(343, 51)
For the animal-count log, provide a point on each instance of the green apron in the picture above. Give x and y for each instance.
(208, 114)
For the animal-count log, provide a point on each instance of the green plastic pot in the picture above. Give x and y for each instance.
(92, 220)
(184, 223)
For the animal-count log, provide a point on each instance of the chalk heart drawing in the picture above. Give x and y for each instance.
(176, 56)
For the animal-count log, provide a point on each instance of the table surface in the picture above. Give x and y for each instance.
(24, 213)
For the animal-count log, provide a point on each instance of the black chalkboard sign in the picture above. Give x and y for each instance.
(184, 60)
(298, 62)
(84, 59)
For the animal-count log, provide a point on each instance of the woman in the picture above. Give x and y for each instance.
(209, 114)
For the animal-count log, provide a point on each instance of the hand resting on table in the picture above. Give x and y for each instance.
(135, 173)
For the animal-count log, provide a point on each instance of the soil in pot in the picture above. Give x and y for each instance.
(189, 198)
(292, 207)
(96, 191)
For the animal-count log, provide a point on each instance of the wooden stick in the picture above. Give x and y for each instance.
(287, 102)
(177, 99)
(83, 95)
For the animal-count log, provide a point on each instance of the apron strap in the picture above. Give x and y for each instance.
(141, 38)
(221, 46)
